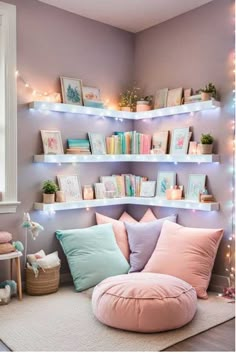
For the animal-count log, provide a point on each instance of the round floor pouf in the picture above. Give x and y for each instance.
(144, 302)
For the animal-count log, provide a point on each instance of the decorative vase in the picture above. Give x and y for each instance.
(142, 106)
(48, 198)
(204, 149)
(60, 197)
(205, 96)
(127, 109)
(88, 192)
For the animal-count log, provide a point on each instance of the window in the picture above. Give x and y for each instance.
(8, 109)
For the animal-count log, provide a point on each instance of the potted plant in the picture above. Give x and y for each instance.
(128, 100)
(208, 92)
(49, 189)
(144, 104)
(206, 145)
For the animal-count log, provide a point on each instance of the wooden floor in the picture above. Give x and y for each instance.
(217, 339)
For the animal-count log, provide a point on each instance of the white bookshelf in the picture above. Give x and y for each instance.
(71, 158)
(155, 201)
(167, 111)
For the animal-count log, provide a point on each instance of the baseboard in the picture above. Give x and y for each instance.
(218, 283)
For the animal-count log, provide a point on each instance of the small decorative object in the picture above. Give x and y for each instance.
(91, 93)
(196, 184)
(5, 295)
(128, 99)
(110, 185)
(71, 90)
(98, 143)
(88, 193)
(33, 227)
(206, 198)
(100, 191)
(49, 189)
(187, 94)
(174, 193)
(71, 187)
(179, 141)
(206, 145)
(192, 150)
(144, 104)
(18, 246)
(60, 196)
(208, 92)
(164, 181)
(193, 98)
(159, 142)
(147, 188)
(12, 284)
(52, 143)
(161, 98)
(174, 97)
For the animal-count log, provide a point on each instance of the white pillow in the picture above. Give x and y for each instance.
(49, 261)
(31, 258)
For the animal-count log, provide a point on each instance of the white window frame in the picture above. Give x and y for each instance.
(9, 201)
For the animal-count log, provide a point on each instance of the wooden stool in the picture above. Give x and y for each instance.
(14, 256)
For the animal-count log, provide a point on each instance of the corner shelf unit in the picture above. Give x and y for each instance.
(178, 204)
(71, 158)
(167, 111)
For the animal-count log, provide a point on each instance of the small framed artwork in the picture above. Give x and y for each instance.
(147, 188)
(91, 93)
(52, 143)
(71, 90)
(179, 141)
(159, 142)
(160, 99)
(71, 186)
(196, 184)
(100, 191)
(98, 143)
(174, 97)
(165, 180)
(110, 185)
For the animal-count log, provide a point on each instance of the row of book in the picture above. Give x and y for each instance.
(130, 142)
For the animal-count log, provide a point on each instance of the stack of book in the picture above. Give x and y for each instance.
(128, 143)
(78, 146)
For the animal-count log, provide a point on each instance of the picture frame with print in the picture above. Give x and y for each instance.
(71, 187)
(91, 93)
(174, 97)
(160, 142)
(160, 100)
(52, 143)
(100, 190)
(179, 141)
(196, 184)
(97, 143)
(71, 90)
(165, 180)
(110, 185)
(147, 188)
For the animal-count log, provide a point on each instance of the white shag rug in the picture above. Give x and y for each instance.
(64, 322)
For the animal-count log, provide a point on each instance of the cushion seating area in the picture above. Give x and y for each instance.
(144, 302)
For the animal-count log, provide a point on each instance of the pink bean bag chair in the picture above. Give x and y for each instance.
(144, 302)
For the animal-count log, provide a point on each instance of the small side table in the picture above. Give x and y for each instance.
(14, 256)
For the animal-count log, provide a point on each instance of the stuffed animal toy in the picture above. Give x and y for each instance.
(33, 227)
(18, 246)
(12, 284)
(5, 295)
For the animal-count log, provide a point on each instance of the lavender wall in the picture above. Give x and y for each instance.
(189, 51)
(50, 43)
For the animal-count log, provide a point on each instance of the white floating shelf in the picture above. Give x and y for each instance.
(167, 111)
(180, 204)
(71, 158)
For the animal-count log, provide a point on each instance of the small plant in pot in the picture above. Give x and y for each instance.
(206, 145)
(144, 104)
(128, 100)
(208, 92)
(49, 189)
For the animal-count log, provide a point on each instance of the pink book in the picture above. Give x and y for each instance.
(146, 143)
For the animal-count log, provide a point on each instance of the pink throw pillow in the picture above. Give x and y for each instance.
(186, 253)
(148, 216)
(5, 237)
(119, 230)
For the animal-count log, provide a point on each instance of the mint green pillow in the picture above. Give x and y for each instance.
(92, 254)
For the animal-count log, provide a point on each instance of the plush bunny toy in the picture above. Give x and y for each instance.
(5, 295)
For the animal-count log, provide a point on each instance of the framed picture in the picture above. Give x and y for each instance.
(98, 143)
(110, 185)
(159, 142)
(70, 185)
(91, 93)
(192, 150)
(100, 191)
(179, 141)
(147, 188)
(174, 97)
(164, 181)
(71, 90)
(52, 143)
(160, 99)
(196, 184)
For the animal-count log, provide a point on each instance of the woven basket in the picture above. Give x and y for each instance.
(47, 281)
